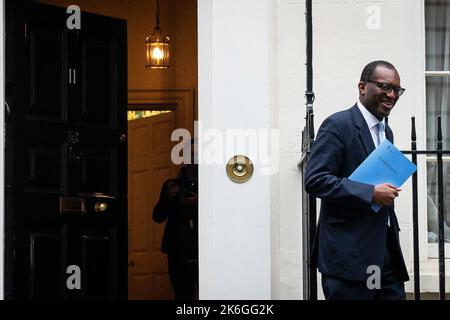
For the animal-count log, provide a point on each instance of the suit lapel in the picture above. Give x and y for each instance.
(389, 134)
(364, 133)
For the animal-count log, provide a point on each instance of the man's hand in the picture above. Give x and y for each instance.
(384, 194)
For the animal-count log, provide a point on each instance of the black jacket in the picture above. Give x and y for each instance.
(181, 231)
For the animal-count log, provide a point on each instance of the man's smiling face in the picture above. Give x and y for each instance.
(377, 100)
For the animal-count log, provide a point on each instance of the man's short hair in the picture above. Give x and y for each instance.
(369, 69)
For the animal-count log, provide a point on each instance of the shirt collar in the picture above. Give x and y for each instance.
(371, 120)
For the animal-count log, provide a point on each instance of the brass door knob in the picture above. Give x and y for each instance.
(100, 207)
(239, 169)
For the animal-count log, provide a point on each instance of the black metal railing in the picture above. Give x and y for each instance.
(308, 202)
(439, 153)
(310, 214)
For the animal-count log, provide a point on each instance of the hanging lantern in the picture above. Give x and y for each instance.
(157, 47)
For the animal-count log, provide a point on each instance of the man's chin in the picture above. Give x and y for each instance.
(384, 112)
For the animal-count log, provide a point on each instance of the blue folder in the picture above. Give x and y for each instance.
(386, 164)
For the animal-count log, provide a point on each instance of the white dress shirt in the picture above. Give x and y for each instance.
(372, 123)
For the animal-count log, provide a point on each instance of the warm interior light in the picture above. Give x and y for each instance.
(139, 114)
(157, 53)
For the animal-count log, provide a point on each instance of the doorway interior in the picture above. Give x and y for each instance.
(153, 116)
(172, 93)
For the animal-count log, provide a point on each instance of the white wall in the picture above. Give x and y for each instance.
(235, 91)
(291, 102)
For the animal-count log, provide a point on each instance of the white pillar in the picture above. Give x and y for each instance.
(235, 92)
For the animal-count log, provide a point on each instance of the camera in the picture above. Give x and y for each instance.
(187, 186)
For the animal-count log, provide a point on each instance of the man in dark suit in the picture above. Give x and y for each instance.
(178, 205)
(352, 241)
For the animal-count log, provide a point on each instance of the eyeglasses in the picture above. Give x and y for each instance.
(387, 88)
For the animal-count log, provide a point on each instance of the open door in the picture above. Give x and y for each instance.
(149, 167)
(67, 191)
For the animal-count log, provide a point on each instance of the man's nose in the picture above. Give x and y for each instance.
(391, 94)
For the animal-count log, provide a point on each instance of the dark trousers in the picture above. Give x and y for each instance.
(183, 274)
(392, 285)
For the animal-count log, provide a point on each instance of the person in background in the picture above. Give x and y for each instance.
(178, 206)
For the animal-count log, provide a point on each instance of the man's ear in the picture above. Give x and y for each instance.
(362, 86)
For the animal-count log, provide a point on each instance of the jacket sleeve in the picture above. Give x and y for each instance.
(165, 206)
(323, 178)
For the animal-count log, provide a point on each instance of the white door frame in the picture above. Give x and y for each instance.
(236, 71)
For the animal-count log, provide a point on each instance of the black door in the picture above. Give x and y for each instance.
(67, 208)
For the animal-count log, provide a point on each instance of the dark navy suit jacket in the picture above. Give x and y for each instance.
(350, 236)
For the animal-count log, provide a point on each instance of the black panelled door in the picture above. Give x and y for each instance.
(69, 181)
